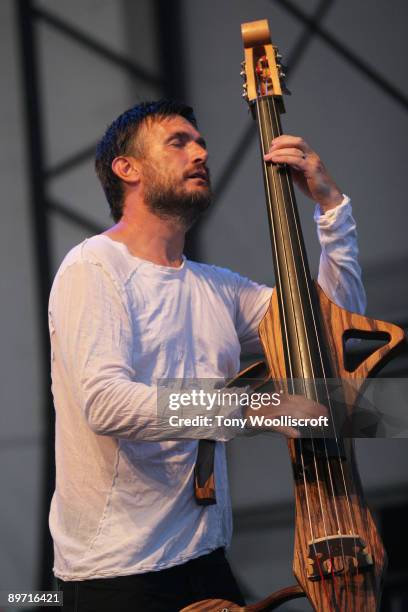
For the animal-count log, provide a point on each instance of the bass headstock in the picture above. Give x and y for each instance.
(262, 68)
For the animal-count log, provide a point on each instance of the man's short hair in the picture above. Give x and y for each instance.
(120, 138)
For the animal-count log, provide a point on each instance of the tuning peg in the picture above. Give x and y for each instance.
(282, 74)
(243, 74)
(243, 64)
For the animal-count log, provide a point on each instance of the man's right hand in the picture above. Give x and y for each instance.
(295, 406)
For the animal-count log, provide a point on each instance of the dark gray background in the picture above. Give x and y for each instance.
(357, 123)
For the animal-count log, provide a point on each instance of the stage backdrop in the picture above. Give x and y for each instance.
(347, 71)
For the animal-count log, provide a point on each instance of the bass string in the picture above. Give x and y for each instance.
(322, 577)
(317, 337)
(328, 462)
(292, 307)
(291, 371)
(270, 102)
(284, 323)
(310, 301)
(311, 362)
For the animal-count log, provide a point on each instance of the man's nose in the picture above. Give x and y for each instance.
(199, 153)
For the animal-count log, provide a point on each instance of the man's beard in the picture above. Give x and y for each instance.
(168, 201)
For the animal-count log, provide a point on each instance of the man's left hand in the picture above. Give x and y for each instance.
(308, 170)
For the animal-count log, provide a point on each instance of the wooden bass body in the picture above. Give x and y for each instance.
(339, 559)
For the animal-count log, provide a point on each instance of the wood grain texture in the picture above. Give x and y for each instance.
(272, 602)
(339, 560)
(270, 334)
(205, 495)
(257, 43)
(338, 322)
(332, 501)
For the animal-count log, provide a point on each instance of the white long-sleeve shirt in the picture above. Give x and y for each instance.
(124, 500)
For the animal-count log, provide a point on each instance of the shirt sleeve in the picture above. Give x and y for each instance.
(92, 355)
(339, 275)
(252, 302)
(339, 270)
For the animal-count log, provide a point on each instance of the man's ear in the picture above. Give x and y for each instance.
(126, 168)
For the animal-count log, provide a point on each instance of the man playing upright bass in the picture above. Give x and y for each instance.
(127, 309)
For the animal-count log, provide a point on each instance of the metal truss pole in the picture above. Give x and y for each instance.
(42, 268)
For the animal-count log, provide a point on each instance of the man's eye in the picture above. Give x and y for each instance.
(177, 143)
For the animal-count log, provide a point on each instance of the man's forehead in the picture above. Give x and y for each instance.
(162, 127)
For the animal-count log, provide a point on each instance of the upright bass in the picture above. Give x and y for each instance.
(339, 560)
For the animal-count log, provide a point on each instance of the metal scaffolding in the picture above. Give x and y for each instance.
(172, 83)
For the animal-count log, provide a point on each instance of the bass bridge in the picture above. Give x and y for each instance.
(336, 555)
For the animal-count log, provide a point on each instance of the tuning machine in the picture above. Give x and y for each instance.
(282, 78)
(278, 56)
(244, 84)
(245, 91)
(282, 72)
